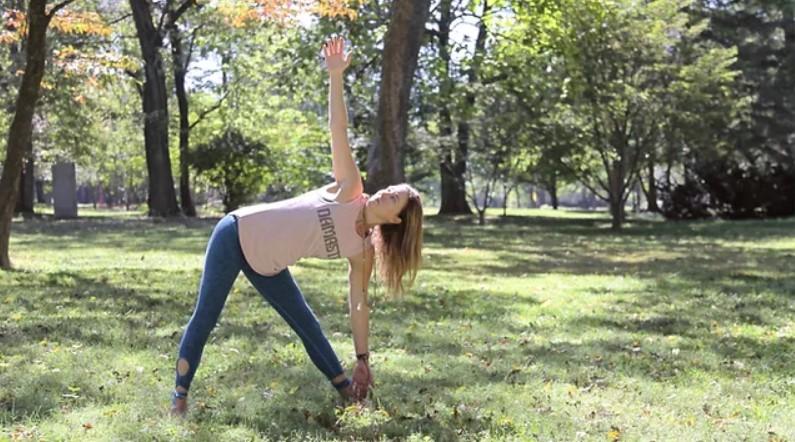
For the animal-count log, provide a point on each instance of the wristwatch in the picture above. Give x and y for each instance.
(363, 356)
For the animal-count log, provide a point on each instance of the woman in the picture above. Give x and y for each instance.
(335, 221)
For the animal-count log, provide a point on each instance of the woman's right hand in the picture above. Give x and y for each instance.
(334, 53)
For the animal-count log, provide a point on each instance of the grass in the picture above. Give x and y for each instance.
(541, 325)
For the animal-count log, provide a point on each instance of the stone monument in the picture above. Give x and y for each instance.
(64, 190)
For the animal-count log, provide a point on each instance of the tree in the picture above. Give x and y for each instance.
(21, 130)
(617, 76)
(401, 47)
(72, 29)
(239, 164)
(69, 117)
(764, 33)
(181, 58)
(232, 15)
(535, 80)
(500, 141)
(748, 171)
(162, 198)
(13, 17)
(452, 161)
(698, 143)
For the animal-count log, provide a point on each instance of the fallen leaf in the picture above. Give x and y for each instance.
(614, 434)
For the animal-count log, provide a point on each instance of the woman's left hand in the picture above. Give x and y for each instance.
(334, 53)
(362, 380)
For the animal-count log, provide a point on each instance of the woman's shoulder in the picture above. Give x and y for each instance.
(339, 194)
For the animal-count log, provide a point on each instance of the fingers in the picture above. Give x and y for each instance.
(361, 388)
(362, 381)
(360, 392)
(334, 45)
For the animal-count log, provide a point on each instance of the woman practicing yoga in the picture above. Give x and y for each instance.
(335, 221)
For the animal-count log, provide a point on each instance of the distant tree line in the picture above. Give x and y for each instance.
(690, 101)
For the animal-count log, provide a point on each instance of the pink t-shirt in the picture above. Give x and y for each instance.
(275, 235)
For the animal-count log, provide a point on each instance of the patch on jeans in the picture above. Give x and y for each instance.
(183, 366)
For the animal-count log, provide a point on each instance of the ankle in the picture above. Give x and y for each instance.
(179, 403)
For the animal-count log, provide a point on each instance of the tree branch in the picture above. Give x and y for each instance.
(181, 10)
(58, 7)
(162, 22)
(583, 177)
(136, 75)
(495, 79)
(432, 32)
(209, 110)
(133, 74)
(363, 67)
(189, 54)
(123, 17)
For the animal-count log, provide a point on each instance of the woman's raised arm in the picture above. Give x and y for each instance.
(343, 166)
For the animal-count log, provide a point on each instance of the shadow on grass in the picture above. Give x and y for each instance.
(73, 307)
(131, 235)
(697, 288)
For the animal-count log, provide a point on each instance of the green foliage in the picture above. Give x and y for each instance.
(741, 166)
(241, 166)
(607, 84)
(84, 114)
(268, 103)
(500, 151)
(763, 30)
(96, 123)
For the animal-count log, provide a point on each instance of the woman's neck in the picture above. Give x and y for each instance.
(362, 226)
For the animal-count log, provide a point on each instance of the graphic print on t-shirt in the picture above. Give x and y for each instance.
(329, 234)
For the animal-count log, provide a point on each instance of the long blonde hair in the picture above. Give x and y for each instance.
(398, 247)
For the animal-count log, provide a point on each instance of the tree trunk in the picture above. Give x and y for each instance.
(399, 61)
(552, 188)
(506, 190)
(460, 165)
(127, 197)
(24, 204)
(616, 194)
(21, 131)
(39, 185)
(453, 191)
(162, 198)
(27, 186)
(180, 60)
(616, 212)
(637, 197)
(452, 166)
(651, 191)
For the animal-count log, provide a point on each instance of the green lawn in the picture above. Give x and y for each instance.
(539, 326)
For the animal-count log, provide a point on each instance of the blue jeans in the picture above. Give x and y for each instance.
(223, 262)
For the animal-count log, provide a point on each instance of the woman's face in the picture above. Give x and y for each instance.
(385, 205)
